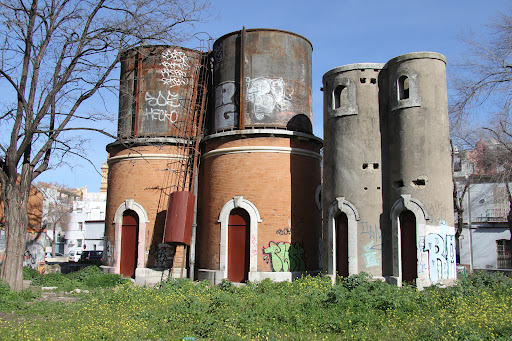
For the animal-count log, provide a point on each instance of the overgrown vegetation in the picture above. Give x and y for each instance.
(311, 308)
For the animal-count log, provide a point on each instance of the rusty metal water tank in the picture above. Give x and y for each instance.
(157, 91)
(262, 79)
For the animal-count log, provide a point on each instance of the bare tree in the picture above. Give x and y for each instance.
(481, 104)
(54, 56)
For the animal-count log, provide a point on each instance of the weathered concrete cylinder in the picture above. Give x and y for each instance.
(417, 139)
(418, 169)
(352, 170)
(268, 74)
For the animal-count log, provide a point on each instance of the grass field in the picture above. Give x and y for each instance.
(355, 308)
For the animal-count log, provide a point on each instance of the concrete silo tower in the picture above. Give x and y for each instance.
(258, 213)
(158, 126)
(352, 184)
(388, 207)
(418, 169)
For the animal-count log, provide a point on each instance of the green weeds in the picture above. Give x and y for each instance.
(311, 308)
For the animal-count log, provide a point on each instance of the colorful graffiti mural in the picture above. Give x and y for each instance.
(285, 256)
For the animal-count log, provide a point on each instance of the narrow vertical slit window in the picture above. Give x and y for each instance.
(403, 87)
(340, 96)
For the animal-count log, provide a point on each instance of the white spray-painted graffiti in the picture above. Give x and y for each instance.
(34, 252)
(175, 63)
(267, 95)
(441, 256)
(157, 106)
(225, 101)
(285, 256)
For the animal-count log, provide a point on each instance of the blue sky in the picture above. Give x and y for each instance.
(342, 32)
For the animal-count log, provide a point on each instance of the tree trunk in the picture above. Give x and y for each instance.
(15, 196)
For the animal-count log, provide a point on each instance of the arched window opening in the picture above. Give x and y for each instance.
(340, 96)
(403, 87)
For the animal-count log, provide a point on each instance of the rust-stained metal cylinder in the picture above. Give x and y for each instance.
(180, 215)
(157, 91)
(267, 74)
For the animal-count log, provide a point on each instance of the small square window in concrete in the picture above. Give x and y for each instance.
(375, 166)
(362, 80)
(365, 165)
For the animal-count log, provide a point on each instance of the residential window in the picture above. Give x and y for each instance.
(504, 256)
(80, 225)
(78, 210)
(79, 243)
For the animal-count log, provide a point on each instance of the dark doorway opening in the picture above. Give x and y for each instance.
(129, 242)
(408, 247)
(341, 231)
(238, 245)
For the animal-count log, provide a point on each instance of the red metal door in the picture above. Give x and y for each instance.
(408, 246)
(238, 246)
(342, 245)
(129, 241)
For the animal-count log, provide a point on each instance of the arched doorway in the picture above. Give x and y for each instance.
(129, 243)
(238, 245)
(342, 245)
(409, 252)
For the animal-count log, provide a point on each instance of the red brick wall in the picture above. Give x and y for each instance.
(281, 185)
(147, 181)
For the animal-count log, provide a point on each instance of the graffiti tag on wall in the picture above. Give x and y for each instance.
(164, 255)
(225, 101)
(370, 255)
(371, 250)
(157, 107)
(267, 96)
(175, 65)
(285, 256)
(441, 256)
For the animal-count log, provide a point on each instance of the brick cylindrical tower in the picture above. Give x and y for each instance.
(156, 126)
(258, 210)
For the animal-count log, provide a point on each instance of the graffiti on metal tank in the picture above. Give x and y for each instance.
(370, 254)
(225, 101)
(176, 64)
(267, 96)
(441, 256)
(373, 233)
(284, 256)
(162, 108)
